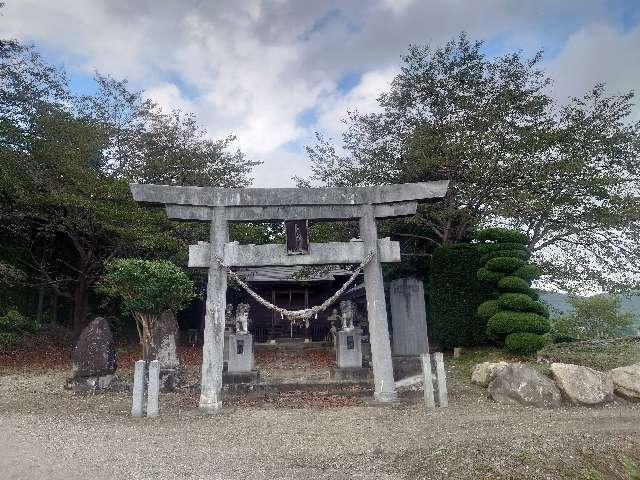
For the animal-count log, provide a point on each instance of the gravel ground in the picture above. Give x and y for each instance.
(50, 433)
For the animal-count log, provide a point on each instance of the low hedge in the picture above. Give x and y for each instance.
(524, 343)
(506, 322)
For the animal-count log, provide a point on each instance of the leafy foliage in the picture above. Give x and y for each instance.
(454, 296)
(65, 206)
(14, 325)
(146, 286)
(593, 317)
(564, 173)
(145, 289)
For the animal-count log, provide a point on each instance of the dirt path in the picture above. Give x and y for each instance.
(49, 433)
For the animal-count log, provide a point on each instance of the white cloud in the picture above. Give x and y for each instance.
(252, 68)
(362, 98)
(598, 53)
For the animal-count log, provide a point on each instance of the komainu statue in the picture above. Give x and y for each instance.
(346, 310)
(242, 318)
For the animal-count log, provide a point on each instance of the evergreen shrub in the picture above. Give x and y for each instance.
(504, 264)
(523, 343)
(488, 309)
(454, 294)
(506, 322)
(516, 318)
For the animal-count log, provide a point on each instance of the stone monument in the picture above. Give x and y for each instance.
(408, 317)
(172, 373)
(94, 358)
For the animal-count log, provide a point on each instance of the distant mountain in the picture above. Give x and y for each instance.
(558, 304)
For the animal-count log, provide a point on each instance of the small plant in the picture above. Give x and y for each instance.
(593, 317)
(145, 289)
(516, 318)
(14, 326)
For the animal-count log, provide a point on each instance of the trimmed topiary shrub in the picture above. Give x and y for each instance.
(454, 295)
(488, 309)
(521, 254)
(516, 318)
(504, 264)
(485, 275)
(523, 343)
(506, 322)
(502, 235)
(514, 284)
(485, 248)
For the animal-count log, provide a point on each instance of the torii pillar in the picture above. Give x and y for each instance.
(221, 206)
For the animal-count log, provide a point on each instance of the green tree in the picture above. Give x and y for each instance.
(593, 317)
(566, 174)
(65, 207)
(145, 289)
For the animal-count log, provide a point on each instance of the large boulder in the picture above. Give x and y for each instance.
(165, 331)
(94, 358)
(520, 384)
(582, 385)
(95, 352)
(484, 372)
(626, 381)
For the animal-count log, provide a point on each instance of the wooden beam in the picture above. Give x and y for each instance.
(330, 253)
(296, 212)
(237, 197)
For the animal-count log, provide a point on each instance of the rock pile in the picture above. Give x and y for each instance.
(574, 384)
(626, 381)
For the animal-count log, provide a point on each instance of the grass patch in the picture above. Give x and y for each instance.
(598, 354)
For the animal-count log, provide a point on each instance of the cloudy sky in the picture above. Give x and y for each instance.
(274, 72)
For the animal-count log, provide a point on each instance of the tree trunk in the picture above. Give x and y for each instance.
(147, 321)
(80, 307)
(40, 306)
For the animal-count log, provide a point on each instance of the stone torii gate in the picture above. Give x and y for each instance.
(221, 206)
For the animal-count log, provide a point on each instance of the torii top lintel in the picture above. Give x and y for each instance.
(245, 197)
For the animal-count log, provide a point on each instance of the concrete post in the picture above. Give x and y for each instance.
(385, 390)
(213, 347)
(153, 388)
(443, 401)
(429, 400)
(138, 389)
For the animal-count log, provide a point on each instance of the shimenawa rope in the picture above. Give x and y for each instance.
(294, 315)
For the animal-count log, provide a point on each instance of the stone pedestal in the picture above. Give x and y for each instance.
(240, 353)
(349, 349)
